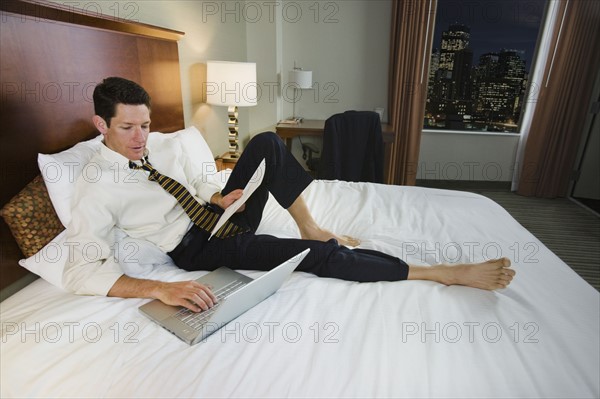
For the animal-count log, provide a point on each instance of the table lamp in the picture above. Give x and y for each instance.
(231, 84)
(299, 79)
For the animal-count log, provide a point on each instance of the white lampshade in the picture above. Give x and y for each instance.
(301, 79)
(231, 83)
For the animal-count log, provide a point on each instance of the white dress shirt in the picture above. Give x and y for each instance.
(109, 194)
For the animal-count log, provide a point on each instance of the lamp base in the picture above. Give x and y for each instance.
(232, 113)
(225, 162)
(292, 120)
(230, 156)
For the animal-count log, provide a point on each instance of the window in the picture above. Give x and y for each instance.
(480, 63)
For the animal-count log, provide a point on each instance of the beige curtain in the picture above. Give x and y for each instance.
(411, 38)
(563, 101)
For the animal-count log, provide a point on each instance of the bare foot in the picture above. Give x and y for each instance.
(310, 230)
(491, 275)
(319, 234)
(348, 241)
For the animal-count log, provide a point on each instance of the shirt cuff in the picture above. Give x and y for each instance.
(100, 282)
(207, 190)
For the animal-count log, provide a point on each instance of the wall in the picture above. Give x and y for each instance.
(263, 46)
(207, 37)
(467, 156)
(588, 185)
(588, 159)
(345, 44)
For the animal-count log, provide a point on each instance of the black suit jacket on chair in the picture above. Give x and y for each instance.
(352, 148)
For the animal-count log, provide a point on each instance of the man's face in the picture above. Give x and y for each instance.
(128, 131)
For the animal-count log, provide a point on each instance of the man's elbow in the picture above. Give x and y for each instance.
(98, 284)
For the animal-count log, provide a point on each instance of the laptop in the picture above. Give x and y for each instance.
(235, 292)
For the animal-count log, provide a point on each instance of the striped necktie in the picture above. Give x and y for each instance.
(201, 215)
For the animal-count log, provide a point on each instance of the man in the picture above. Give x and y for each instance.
(151, 193)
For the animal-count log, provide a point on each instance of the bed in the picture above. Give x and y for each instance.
(315, 337)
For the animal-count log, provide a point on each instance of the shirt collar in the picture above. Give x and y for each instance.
(114, 156)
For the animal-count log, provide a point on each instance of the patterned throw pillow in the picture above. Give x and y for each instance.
(31, 217)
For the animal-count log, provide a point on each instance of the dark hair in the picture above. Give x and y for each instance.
(115, 90)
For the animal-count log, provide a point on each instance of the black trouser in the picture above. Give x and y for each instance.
(285, 179)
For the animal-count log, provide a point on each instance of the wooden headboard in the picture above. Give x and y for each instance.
(52, 58)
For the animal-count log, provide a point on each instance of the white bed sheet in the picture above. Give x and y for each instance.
(320, 337)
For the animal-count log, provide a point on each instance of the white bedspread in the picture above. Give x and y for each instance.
(321, 337)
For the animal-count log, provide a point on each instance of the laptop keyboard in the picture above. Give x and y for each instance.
(196, 320)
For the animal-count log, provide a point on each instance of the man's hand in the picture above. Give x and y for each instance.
(225, 201)
(189, 294)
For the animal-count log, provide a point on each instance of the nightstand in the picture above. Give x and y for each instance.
(225, 161)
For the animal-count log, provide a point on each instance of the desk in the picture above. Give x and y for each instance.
(316, 127)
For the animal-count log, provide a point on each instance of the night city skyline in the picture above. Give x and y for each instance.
(517, 20)
(481, 57)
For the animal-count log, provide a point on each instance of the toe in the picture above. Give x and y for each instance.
(351, 241)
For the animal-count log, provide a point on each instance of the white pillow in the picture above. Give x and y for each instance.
(136, 257)
(197, 149)
(60, 171)
(49, 262)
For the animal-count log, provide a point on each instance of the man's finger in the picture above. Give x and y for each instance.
(210, 294)
(190, 305)
(235, 194)
(207, 290)
(199, 301)
(206, 298)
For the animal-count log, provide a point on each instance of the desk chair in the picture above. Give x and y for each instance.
(352, 148)
(308, 149)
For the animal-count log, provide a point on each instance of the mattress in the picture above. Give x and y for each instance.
(320, 337)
